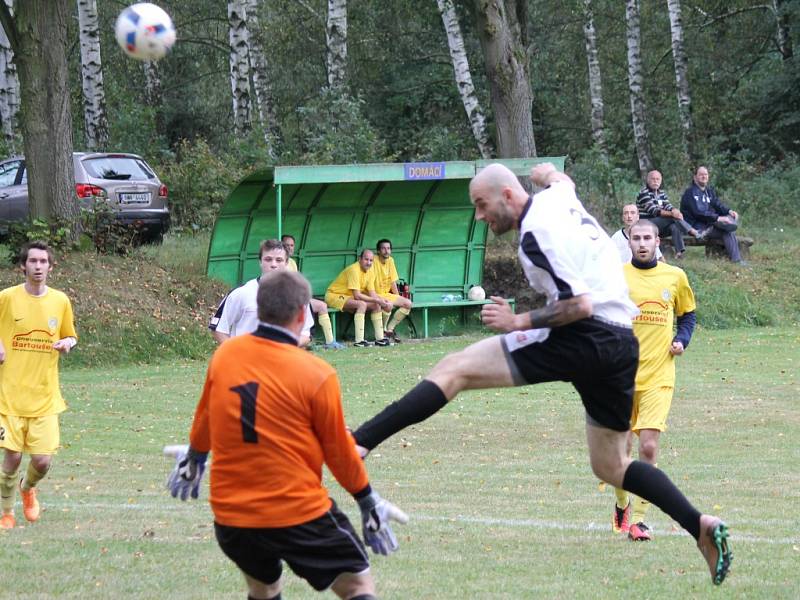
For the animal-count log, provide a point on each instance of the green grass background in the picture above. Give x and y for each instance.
(501, 498)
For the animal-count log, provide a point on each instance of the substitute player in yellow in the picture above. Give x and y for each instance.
(353, 291)
(386, 287)
(36, 326)
(662, 293)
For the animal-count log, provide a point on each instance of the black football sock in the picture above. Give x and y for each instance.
(417, 405)
(653, 485)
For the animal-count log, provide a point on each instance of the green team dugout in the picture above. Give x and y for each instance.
(335, 211)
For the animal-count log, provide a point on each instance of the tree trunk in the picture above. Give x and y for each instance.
(153, 97)
(239, 67)
(458, 55)
(784, 36)
(9, 90)
(94, 96)
(265, 104)
(597, 118)
(39, 41)
(503, 36)
(636, 87)
(682, 79)
(336, 43)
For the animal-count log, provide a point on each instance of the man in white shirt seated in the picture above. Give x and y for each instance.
(630, 214)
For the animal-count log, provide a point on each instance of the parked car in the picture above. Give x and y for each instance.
(125, 182)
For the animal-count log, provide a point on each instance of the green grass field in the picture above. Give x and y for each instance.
(502, 501)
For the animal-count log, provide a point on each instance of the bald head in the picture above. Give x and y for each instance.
(498, 197)
(495, 177)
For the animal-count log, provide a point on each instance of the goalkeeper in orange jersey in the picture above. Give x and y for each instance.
(271, 414)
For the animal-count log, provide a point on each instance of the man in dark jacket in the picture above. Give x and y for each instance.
(703, 210)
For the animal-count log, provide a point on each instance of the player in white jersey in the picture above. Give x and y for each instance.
(238, 313)
(583, 335)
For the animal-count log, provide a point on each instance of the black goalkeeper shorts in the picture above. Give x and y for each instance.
(318, 551)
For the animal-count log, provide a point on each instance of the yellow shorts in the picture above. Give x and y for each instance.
(650, 408)
(389, 296)
(32, 435)
(336, 301)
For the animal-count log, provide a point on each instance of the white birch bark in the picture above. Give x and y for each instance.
(336, 43)
(95, 119)
(636, 87)
(265, 105)
(152, 84)
(466, 89)
(9, 89)
(597, 118)
(239, 61)
(681, 77)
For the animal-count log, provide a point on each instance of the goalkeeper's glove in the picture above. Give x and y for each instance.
(187, 474)
(375, 516)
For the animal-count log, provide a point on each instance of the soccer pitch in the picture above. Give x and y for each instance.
(498, 487)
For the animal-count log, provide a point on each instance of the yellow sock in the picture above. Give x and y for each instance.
(325, 322)
(8, 486)
(385, 316)
(399, 315)
(358, 322)
(377, 324)
(622, 497)
(32, 477)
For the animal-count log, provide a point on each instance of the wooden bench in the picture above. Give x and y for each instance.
(424, 307)
(715, 248)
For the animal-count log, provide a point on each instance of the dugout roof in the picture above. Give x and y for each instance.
(335, 211)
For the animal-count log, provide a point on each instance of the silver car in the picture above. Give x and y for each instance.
(125, 181)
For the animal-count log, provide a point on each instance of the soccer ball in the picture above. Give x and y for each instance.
(476, 292)
(144, 31)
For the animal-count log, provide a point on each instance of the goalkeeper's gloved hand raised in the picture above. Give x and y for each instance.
(375, 516)
(187, 473)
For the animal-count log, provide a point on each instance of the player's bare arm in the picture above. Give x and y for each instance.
(499, 316)
(2, 353)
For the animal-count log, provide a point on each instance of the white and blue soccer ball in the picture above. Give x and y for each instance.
(144, 31)
(476, 292)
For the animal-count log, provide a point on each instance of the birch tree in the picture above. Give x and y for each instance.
(95, 118)
(455, 42)
(9, 89)
(597, 118)
(336, 43)
(38, 36)
(682, 78)
(265, 106)
(502, 28)
(636, 87)
(238, 39)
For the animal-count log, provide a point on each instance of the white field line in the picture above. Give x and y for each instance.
(170, 505)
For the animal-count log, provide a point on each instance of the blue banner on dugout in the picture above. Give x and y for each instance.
(415, 171)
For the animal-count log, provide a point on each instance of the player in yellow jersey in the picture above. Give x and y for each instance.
(353, 291)
(36, 326)
(662, 293)
(386, 287)
(318, 307)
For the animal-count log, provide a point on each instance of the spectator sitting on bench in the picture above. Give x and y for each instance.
(630, 215)
(705, 212)
(654, 205)
(386, 287)
(318, 307)
(353, 291)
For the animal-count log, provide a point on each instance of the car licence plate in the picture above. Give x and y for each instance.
(143, 198)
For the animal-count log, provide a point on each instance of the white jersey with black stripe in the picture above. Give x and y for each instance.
(566, 253)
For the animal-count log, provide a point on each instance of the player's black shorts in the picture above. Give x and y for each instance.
(318, 551)
(598, 358)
